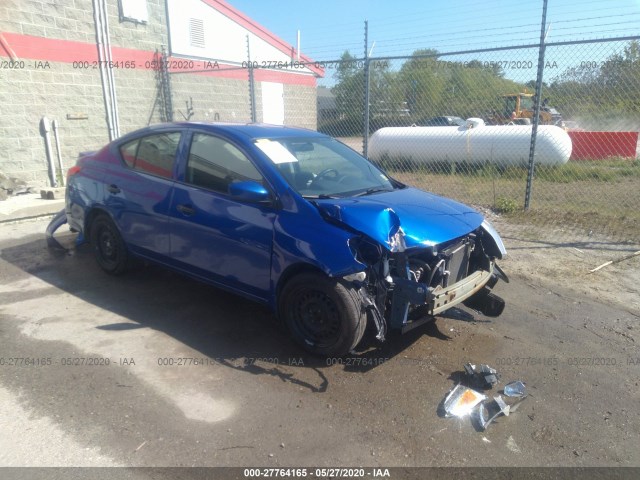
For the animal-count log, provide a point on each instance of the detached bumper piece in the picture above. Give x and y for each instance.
(56, 222)
(473, 290)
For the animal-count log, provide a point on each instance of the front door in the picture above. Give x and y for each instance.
(214, 235)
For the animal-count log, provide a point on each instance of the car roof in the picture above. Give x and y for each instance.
(247, 130)
(445, 117)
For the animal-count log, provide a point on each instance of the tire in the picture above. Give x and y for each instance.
(325, 316)
(108, 246)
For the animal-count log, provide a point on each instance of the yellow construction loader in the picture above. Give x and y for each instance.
(518, 109)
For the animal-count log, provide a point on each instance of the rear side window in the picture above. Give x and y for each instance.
(215, 163)
(154, 154)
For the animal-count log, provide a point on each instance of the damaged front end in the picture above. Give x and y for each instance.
(404, 287)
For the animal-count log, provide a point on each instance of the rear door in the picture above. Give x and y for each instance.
(213, 234)
(138, 194)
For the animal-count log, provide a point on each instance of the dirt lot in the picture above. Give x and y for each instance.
(254, 399)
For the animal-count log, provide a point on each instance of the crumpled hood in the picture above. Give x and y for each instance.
(426, 219)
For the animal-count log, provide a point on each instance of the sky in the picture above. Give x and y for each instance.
(329, 27)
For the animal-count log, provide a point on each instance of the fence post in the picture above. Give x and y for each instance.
(365, 130)
(536, 107)
(252, 90)
(166, 85)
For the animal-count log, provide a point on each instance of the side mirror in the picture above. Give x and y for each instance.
(249, 191)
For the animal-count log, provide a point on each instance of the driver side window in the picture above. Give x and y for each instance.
(215, 163)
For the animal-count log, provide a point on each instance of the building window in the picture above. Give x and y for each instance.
(196, 32)
(134, 10)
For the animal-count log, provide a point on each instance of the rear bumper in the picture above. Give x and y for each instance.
(56, 222)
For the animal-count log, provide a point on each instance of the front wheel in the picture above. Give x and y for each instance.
(324, 315)
(108, 246)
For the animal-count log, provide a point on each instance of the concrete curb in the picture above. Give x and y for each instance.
(23, 208)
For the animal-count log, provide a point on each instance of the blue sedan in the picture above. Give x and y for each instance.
(287, 217)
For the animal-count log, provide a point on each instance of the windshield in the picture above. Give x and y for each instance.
(526, 103)
(323, 167)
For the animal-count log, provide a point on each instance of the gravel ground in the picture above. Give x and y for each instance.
(255, 399)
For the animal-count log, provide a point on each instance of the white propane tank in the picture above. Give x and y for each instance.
(473, 144)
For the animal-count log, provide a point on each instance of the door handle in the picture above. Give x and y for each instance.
(113, 189)
(186, 210)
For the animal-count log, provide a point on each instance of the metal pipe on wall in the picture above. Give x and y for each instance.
(111, 78)
(97, 18)
(58, 151)
(45, 128)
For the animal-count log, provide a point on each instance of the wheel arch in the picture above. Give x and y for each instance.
(335, 322)
(95, 212)
(292, 271)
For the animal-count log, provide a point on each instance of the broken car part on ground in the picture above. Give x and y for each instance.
(464, 401)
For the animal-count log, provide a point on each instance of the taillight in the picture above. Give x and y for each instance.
(72, 171)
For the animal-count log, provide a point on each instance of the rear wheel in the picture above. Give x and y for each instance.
(108, 246)
(324, 315)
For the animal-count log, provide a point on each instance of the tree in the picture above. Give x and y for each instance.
(384, 101)
(422, 83)
(435, 86)
(602, 95)
(349, 87)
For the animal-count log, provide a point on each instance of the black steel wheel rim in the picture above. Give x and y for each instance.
(107, 245)
(316, 317)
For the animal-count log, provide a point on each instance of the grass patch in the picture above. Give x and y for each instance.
(597, 171)
(611, 206)
(507, 205)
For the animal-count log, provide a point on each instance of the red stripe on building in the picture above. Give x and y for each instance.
(68, 51)
(48, 49)
(260, 75)
(292, 78)
(241, 19)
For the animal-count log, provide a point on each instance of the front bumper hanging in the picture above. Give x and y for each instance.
(474, 290)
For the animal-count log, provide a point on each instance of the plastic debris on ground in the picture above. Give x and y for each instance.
(464, 400)
(489, 412)
(515, 389)
(486, 376)
(461, 401)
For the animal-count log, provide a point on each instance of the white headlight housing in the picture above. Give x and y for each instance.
(496, 238)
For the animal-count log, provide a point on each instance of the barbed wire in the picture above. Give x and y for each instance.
(384, 29)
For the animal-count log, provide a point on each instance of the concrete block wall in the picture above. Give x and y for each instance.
(301, 106)
(59, 89)
(214, 98)
(228, 100)
(29, 94)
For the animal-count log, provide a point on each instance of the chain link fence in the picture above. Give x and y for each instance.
(463, 124)
(539, 138)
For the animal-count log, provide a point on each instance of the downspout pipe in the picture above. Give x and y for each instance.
(97, 18)
(45, 129)
(57, 140)
(111, 78)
